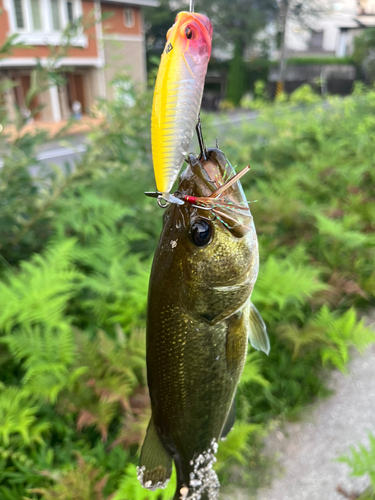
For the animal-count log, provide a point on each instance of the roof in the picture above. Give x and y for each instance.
(366, 20)
(140, 3)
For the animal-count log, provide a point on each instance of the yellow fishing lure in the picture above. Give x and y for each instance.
(178, 94)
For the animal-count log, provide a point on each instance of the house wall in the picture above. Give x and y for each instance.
(341, 14)
(42, 51)
(124, 47)
(123, 57)
(112, 47)
(116, 23)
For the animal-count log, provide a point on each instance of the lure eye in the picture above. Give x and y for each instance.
(188, 33)
(201, 232)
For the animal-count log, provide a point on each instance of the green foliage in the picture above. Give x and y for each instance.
(75, 255)
(315, 219)
(284, 285)
(305, 61)
(230, 21)
(129, 488)
(304, 95)
(361, 460)
(364, 52)
(236, 446)
(236, 76)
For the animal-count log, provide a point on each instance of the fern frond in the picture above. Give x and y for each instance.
(362, 460)
(342, 333)
(280, 283)
(18, 416)
(39, 292)
(252, 371)
(130, 488)
(47, 355)
(236, 444)
(340, 231)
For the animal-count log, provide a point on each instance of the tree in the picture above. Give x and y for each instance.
(364, 53)
(306, 13)
(232, 20)
(236, 76)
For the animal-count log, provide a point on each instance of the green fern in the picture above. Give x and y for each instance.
(361, 460)
(47, 356)
(130, 489)
(236, 445)
(342, 333)
(40, 290)
(345, 229)
(282, 288)
(113, 379)
(18, 417)
(335, 335)
(252, 371)
(84, 482)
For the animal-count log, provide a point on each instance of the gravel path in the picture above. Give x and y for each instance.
(306, 451)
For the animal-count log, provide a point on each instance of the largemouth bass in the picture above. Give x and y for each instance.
(198, 324)
(178, 94)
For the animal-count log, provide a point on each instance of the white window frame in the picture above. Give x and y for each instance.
(133, 17)
(47, 35)
(13, 19)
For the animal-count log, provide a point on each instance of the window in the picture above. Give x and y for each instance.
(129, 18)
(69, 8)
(316, 41)
(55, 11)
(35, 13)
(18, 9)
(41, 22)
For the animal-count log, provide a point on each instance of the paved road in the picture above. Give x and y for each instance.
(307, 470)
(71, 150)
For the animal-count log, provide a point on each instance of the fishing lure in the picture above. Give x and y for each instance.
(178, 95)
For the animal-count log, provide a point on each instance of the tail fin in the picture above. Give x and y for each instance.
(155, 464)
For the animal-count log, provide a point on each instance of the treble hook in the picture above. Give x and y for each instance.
(200, 138)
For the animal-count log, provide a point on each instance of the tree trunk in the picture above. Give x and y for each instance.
(284, 6)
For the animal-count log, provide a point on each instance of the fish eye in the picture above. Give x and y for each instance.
(201, 232)
(188, 33)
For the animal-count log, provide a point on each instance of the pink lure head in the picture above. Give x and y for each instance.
(192, 33)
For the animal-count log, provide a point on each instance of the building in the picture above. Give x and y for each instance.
(333, 32)
(313, 47)
(113, 41)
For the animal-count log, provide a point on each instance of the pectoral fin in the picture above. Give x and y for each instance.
(258, 337)
(229, 423)
(155, 464)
